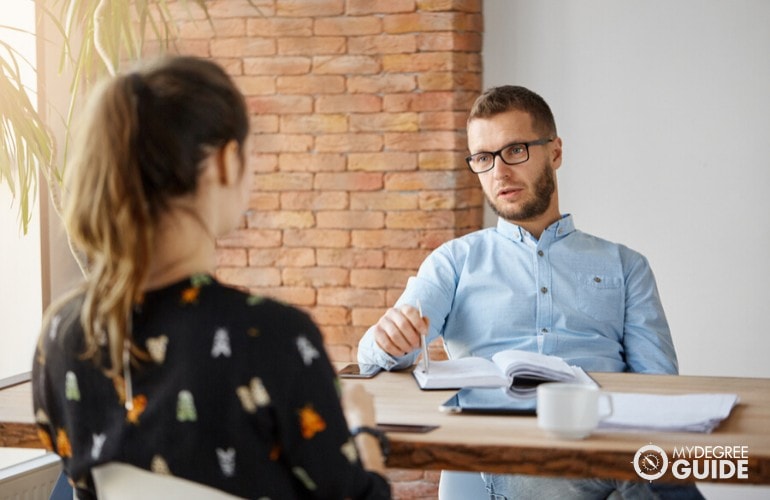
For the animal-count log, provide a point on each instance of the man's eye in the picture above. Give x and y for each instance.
(481, 157)
(516, 150)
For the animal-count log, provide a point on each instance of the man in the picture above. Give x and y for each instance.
(533, 282)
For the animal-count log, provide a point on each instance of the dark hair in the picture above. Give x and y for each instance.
(144, 139)
(496, 100)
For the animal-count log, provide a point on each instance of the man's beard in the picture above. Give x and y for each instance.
(545, 186)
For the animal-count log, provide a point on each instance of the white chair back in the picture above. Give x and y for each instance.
(118, 481)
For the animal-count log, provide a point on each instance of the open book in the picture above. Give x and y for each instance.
(518, 371)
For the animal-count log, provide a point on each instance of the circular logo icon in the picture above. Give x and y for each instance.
(650, 462)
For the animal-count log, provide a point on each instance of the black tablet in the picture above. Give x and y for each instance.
(494, 401)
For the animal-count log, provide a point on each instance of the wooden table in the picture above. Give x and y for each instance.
(514, 444)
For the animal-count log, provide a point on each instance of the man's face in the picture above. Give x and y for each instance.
(518, 193)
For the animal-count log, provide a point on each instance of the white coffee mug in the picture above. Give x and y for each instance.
(570, 411)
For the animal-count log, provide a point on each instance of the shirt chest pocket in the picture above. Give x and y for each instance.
(600, 296)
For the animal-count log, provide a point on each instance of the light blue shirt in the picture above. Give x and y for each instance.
(589, 301)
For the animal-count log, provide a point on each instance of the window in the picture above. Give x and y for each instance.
(20, 265)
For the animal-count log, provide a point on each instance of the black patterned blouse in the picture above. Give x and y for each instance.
(237, 393)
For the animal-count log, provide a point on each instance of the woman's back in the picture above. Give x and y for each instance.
(236, 394)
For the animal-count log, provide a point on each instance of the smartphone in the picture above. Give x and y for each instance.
(354, 370)
(416, 428)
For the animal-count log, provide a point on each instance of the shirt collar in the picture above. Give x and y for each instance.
(557, 230)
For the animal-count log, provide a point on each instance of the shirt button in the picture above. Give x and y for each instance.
(540, 253)
(544, 290)
(597, 279)
(544, 330)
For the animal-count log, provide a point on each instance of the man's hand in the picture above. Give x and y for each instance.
(398, 330)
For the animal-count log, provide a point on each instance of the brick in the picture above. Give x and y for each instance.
(263, 123)
(339, 353)
(394, 122)
(310, 84)
(343, 334)
(429, 101)
(379, 278)
(446, 80)
(286, 65)
(203, 29)
(450, 199)
(314, 200)
(312, 162)
(383, 44)
(315, 276)
(263, 162)
(281, 257)
(384, 200)
(276, 143)
(231, 66)
(381, 84)
(238, 8)
(385, 238)
(352, 297)
(250, 276)
(348, 64)
(420, 141)
(259, 200)
(410, 258)
(331, 315)
(413, 63)
(433, 238)
(284, 181)
(419, 181)
(231, 257)
(348, 181)
(199, 48)
(303, 8)
(296, 45)
(442, 160)
(358, 7)
(280, 104)
(314, 124)
(351, 257)
(343, 143)
(294, 295)
(281, 219)
(251, 238)
(241, 47)
(350, 219)
(316, 238)
(382, 161)
(420, 219)
(255, 85)
(355, 103)
(367, 316)
(347, 25)
(442, 120)
(452, 41)
(279, 27)
(443, 5)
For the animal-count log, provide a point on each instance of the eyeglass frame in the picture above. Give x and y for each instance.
(537, 142)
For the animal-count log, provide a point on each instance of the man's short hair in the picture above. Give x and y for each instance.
(496, 100)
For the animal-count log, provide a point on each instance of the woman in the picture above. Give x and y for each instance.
(154, 363)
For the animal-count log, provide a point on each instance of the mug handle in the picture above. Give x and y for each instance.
(610, 409)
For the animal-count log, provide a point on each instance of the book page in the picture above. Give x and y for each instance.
(513, 361)
(462, 372)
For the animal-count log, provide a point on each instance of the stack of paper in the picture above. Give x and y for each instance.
(670, 413)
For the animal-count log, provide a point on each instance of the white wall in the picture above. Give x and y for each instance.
(664, 108)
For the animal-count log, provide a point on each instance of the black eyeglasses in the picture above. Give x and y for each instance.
(512, 154)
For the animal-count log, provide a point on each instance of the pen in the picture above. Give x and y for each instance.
(425, 359)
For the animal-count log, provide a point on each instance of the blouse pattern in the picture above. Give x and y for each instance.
(228, 389)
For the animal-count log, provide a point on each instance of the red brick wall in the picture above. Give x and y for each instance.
(358, 114)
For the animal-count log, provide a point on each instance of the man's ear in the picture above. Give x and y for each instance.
(556, 153)
(229, 163)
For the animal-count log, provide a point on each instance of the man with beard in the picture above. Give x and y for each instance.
(534, 282)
